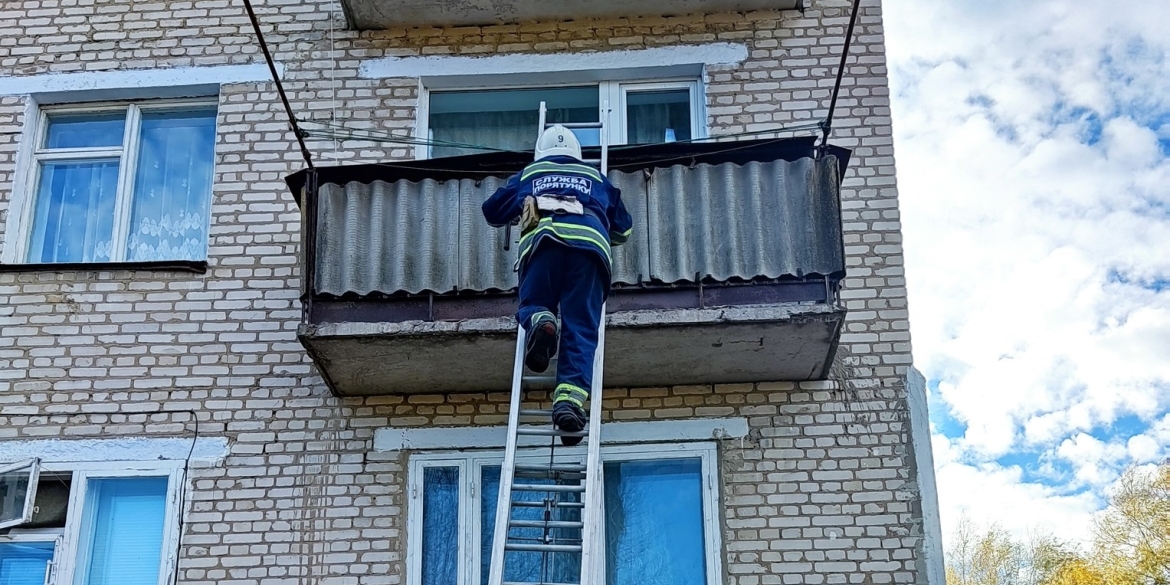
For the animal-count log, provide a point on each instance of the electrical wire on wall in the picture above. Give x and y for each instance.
(292, 119)
(827, 126)
(182, 503)
(333, 75)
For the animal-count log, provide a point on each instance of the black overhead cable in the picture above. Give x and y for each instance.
(292, 120)
(827, 126)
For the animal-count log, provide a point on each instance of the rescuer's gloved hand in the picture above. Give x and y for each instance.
(529, 216)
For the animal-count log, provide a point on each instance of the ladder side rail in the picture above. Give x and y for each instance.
(543, 118)
(507, 470)
(604, 137)
(592, 538)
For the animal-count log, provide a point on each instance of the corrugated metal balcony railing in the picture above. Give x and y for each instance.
(731, 274)
(382, 14)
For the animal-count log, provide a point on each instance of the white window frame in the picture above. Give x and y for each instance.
(621, 121)
(53, 535)
(28, 170)
(34, 470)
(611, 91)
(71, 557)
(471, 464)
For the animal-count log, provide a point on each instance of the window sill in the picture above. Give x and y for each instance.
(192, 266)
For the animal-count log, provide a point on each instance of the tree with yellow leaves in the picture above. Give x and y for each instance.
(1131, 544)
(1132, 536)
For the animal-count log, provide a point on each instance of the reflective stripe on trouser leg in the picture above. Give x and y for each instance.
(570, 393)
(537, 316)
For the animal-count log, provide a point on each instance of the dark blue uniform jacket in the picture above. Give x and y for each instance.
(604, 223)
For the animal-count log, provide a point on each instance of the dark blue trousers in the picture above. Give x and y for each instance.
(573, 282)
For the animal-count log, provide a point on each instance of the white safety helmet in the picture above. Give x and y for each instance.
(558, 140)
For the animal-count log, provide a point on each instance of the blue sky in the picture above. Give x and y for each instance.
(1032, 139)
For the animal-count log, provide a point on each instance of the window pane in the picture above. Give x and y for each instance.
(507, 119)
(654, 522)
(658, 116)
(172, 186)
(85, 130)
(126, 532)
(440, 541)
(74, 217)
(24, 563)
(14, 494)
(527, 567)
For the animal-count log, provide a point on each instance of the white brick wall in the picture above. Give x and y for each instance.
(821, 492)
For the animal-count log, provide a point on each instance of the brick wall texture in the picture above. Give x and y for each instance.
(822, 491)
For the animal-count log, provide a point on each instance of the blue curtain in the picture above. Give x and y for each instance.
(528, 567)
(74, 217)
(654, 522)
(172, 187)
(24, 563)
(440, 546)
(654, 526)
(125, 539)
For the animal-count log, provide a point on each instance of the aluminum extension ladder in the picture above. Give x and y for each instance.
(603, 137)
(565, 492)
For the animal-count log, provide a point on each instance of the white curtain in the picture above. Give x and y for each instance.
(657, 123)
(508, 130)
(172, 187)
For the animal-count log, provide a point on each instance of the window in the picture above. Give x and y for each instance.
(659, 519)
(104, 526)
(639, 113)
(25, 561)
(121, 183)
(18, 487)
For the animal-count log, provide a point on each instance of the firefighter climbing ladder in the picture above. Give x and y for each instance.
(568, 485)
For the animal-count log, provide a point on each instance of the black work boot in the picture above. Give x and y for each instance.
(541, 344)
(570, 418)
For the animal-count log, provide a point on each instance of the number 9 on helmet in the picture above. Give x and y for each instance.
(558, 141)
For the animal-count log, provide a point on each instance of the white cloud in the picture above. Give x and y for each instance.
(998, 494)
(1037, 218)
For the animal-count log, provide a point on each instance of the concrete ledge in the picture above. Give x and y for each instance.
(205, 450)
(650, 318)
(658, 431)
(662, 347)
(383, 14)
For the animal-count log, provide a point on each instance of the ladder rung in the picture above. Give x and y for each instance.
(544, 413)
(544, 524)
(541, 432)
(545, 474)
(565, 548)
(532, 487)
(519, 583)
(524, 504)
(540, 381)
(554, 468)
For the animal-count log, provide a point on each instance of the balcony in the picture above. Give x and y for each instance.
(383, 14)
(732, 274)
